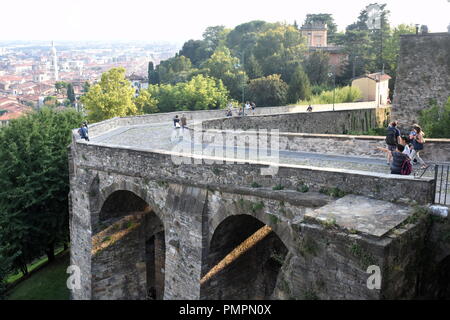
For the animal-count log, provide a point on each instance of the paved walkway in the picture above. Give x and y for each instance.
(163, 136)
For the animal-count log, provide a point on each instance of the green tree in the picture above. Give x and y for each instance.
(435, 120)
(71, 93)
(34, 184)
(213, 37)
(391, 49)
(200, 93)
(299, 87)
(51, 101)
(317, 67)
(111, 97)
(174, 70)
(268, 91)
(60, 85)
(150, 71)
(195, 51)
(223, 66)
(5, 270)
(145, 103)
(86, 86)
(279, 50)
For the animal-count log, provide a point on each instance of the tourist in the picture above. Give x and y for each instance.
(247, 106)
(229, 113)
(183, 122)
(401, 162)
(309, 109)
(392, 139)
(253, 105)
(417, 145)
(83, 131)
(176, 122)
(404, 141)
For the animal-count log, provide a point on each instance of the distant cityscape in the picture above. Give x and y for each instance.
(30, 70)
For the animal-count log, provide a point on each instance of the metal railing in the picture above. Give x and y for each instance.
(441, 176)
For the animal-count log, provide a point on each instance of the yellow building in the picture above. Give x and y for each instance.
(374, 87)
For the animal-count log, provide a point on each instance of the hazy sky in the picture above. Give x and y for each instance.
(181, 20)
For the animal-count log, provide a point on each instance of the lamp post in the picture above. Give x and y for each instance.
(243, 84)
(242, 56)
(331, 74)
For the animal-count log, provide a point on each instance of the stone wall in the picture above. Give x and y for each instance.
(423, 74)
(209, 171)
(337, 122)
(436, 150)
(192, 201)
(196, 116)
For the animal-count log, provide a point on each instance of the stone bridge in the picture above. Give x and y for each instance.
(145, 225)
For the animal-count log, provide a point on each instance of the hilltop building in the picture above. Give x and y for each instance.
(316, 34)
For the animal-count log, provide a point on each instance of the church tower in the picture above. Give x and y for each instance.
(54, 62)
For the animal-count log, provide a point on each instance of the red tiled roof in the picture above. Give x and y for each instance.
(13, 110)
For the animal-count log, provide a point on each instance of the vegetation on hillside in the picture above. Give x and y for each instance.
(435, 120)
(340, 95)
(34, 186)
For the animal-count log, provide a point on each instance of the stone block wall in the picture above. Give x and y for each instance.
(436, 150)
(203, 173)
(423, 75)
(337, 122)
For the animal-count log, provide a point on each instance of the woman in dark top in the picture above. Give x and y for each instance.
(418, 142)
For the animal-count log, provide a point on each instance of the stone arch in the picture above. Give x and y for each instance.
(281, 228)
(98, 196)
(251, 275)
(128, 256)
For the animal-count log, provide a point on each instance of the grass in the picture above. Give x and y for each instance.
(48, 283)
(278, 187)
(39, 262)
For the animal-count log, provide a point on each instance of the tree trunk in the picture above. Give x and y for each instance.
(50, 252)
(66, 246)
(24, 269)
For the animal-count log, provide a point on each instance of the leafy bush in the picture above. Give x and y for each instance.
(435, 121)
(268, 91)
(342, 95)
(201, 93)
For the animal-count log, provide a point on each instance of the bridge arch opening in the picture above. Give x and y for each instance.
(128, 259)
(244, 261)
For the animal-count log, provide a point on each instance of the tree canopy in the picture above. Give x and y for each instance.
(111, 97)
(34, 184)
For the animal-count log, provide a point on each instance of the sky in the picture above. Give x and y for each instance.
(180, 20)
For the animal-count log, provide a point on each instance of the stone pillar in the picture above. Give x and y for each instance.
(184, 238)
(80, 238)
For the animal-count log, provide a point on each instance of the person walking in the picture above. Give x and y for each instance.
(418, 142)
(392, 139)
(183, 122)
(176, 122)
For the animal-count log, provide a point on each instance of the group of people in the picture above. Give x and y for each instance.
(180, 122)
(404, 150)
(248, 106)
